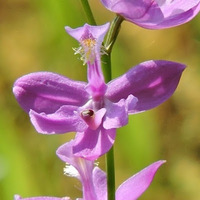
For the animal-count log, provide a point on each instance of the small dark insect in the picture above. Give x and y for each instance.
(87, 113)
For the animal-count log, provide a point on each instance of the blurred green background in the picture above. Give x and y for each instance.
(32, 38)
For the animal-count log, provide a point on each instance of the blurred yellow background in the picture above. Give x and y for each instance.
(32, 38)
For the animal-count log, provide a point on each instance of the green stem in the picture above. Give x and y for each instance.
(88, 12)
(110, 166)
(106, 67)
(110, 40)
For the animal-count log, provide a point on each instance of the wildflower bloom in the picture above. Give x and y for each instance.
(82, 169)
(57, 104)
(154, 14)
(93, 179)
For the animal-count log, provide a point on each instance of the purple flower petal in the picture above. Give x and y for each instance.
(96, 84)
(65, 153)
(63, 120)
(117, 113)
(155, 14)
(133, 187)
(132, 9)
(175, 13)
(100, 183)
(151, 82)
(92, 144)
(88, 31)
(17, 197)
(47, 92)
(84, 168)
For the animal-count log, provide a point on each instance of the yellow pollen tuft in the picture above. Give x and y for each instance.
(90, 43)
(87, 50)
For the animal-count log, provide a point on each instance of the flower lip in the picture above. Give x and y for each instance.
(90, 39)
(87, 49)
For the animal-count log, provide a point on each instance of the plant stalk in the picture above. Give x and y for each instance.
(88, 12)
(106, 67)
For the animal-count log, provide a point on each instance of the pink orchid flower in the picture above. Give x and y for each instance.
(93, 179)
(94, 110)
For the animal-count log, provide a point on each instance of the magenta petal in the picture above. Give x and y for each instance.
(64, 152)
(62, 121)
(88, 31)
(17, 197)
(151, 82)
(173, 14)
(92, 144)
(155, 14)
(47, 92)
(133, 9)
(132, 188)
(96, 84)
(100, 183)
(117, 113)
(131, 103)
(84, 168)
